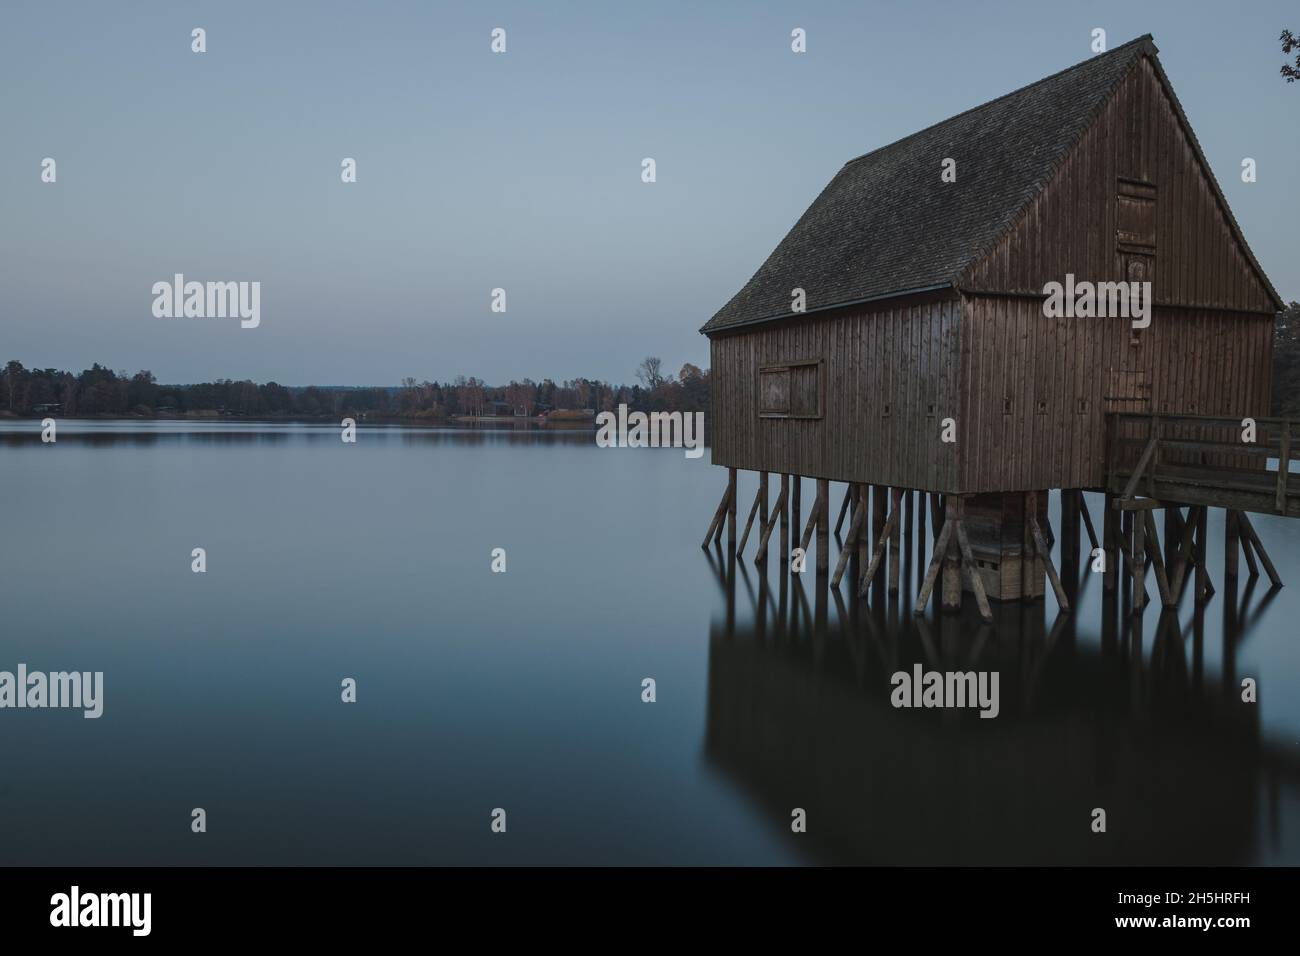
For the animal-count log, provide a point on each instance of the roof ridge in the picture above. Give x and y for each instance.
(1143, 39)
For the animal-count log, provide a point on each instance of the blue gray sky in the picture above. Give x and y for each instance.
(519, 170)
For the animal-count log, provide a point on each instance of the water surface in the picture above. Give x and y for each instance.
(522, 690)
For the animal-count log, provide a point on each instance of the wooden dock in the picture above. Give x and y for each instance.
(1203, 461)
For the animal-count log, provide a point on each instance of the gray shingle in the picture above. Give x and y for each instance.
(886, 224)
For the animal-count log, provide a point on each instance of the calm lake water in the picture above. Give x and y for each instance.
(522, 690)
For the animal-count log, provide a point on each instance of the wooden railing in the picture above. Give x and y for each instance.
(1153, 454)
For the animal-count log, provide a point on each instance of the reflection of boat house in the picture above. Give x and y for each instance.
(799, 715)
(899, 338)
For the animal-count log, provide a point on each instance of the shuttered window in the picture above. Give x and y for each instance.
(790, 391)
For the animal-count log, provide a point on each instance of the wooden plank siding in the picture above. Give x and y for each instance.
(1070, 227)
(889, 378)
(1012, 352)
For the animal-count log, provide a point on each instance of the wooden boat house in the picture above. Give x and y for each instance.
(901, 337)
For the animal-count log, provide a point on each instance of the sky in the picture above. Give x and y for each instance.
(520, 170)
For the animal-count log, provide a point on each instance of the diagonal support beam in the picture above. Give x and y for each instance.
(716, 523)
(778, 514)
(972, 572)
(846, 550)
(749, 522)
(932, 574)
(1045, 553)
(879, 552)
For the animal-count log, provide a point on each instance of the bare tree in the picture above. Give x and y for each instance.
(649, 372)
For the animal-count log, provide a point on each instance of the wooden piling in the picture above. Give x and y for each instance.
(848, 549)
(844, 507)
(1138, 568)
(1248, 530)
(1203, 587)
(1070, 532)
(823, 526)
(951, 597)
(864, 536)
(715, 526)
(796, 484)
(1231, 546)
(784, 499)
(1110, 541)
(731, 511)
(763, 514)
(749, 522)
(895, 539)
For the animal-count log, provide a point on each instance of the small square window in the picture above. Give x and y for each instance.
(790, 391)
(1006, 406)
(1042, 407)
(1083, 406)
(886, 410)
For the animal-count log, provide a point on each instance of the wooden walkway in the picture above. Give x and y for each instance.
(1203, 461)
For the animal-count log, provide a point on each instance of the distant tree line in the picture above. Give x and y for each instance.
(100, 391)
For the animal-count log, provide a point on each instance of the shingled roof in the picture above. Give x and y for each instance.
(887, 225)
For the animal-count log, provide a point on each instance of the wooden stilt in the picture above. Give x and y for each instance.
(1247, 551)
(895, 539)
(823, 526)
(864, 536)
(844, 508)
(1070, 532)
(783, 505)
(749, 522)
(922, 506)
(796, 483)
(1139, 566)
(1028, 507)
(1249, 530)
(936, 516)
(716, 523)
(855, 533)
(807, 534)
(1231, 546)
(764, 517)
(1110, 532)
(1040, 544)
(950, 600)
(932, 574)
(1185, 557)
(731, 511)
(767, 532)
(909, 522)
(878, 553)
(1203, 587)
(1173, 533)
(1157, 561)
(972, 573)
(1093, 543)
